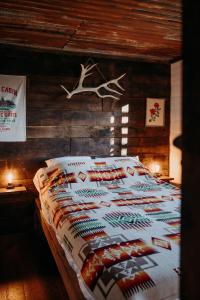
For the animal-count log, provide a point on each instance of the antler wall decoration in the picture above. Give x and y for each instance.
(80, 88)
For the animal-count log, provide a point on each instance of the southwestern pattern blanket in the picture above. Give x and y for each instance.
(119, 226)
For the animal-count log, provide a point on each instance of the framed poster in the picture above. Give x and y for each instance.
(155, 112)
(12, 108)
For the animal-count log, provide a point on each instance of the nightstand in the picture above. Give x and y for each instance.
(16, 210)
(165, 178)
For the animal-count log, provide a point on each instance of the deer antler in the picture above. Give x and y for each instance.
(80, 88)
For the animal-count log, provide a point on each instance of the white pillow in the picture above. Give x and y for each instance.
(54, 161)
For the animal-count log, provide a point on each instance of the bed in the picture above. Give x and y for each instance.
(113, 228)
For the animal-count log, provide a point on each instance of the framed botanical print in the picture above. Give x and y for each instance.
(155, 112)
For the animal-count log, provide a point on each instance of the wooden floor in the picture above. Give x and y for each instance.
(27, 270)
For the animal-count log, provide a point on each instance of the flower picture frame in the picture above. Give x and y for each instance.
(155, 112)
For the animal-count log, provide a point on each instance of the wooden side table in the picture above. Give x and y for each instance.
(16, 210)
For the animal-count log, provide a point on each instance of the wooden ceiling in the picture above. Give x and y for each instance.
(140, 29)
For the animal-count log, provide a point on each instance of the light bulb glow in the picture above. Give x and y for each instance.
(155, 168)
(9, 177)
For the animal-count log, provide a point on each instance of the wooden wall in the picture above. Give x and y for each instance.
(82, 126)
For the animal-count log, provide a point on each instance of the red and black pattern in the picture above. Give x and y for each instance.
(136, 201)
(110, 255)
(141, 170)
(63, 178)
(131, 285)
(63, 211)
(176, 237)
(107, 175)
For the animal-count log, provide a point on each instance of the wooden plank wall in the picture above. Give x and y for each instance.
(82, 126)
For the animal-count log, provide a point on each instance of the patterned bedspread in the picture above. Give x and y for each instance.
(118, 223)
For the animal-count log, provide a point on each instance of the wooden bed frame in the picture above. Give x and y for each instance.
(68, 275)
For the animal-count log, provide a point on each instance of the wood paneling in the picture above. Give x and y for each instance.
(148, 30)
(83, 125)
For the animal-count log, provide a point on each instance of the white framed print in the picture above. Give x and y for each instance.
(155, 112)
(12, 108)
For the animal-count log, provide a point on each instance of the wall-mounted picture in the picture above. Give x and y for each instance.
(12, 108)
(155, 112)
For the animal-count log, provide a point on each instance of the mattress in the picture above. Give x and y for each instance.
(118, 225)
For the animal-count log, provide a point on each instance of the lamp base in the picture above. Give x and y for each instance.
(10, 186)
